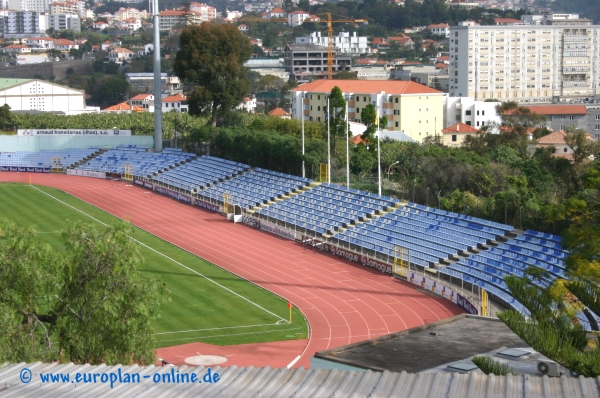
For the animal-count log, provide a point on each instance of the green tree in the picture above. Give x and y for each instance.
(87, 305)
(29, 276)
(212, 58)
(337, 115)
(367, 117)
(107, 308)
(108, 90)
(6, 118)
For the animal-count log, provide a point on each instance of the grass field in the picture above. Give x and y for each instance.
(208, 304)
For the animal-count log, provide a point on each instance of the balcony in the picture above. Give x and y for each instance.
(387, 105)
(351, 104)
(306, 112)
(305, 101)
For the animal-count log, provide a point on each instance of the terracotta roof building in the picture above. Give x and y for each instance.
(456, 134)
(279, 113)
(123, 107)
(410, 107)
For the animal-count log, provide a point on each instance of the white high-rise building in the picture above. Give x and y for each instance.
(530, 64)
(29, 5)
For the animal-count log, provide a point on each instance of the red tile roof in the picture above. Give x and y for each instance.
(277, 10)
(367, 87)
(278, 112)
(124, 106)
(506, 20)
(441, 65)
(439, 25)
(174, 98)
(555, 109)
(141, 97)
(558, 137)
(460, 128)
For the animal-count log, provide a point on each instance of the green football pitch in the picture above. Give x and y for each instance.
(208, 304)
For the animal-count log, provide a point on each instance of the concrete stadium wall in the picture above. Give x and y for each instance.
(46, 70)
(13, 143)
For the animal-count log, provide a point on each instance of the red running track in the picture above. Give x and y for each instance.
(343, 302)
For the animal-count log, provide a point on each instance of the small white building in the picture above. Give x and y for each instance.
(16, 49)
(175, 103)
(120, 54)
(248, 105)
(296, 18)
(145, 101)
(473, 113)
(65, 45)
(40, 43)
(440, 29)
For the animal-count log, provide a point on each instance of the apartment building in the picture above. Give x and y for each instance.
(304, 61)
(29, 5)
(64, 22)
(410, 107)
(24, 24)
(68, 7)
(528, 64)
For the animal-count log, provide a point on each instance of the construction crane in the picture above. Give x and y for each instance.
(328, 20)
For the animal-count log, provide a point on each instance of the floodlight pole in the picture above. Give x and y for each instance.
(302, 115)
(347, 150)
(378, 152)
(328, 144)
(157, 83)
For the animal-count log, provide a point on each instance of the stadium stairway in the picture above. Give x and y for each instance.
(87, 159)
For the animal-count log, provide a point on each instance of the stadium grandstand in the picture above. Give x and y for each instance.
(466, 253)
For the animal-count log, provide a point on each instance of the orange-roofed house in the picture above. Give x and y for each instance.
(277, 12)
(456, 134)
(175, 103)
(123, 107)
(16, 49)
(440, 29)
(144, 101)
(279, 112)
(413, 108)
(557, 143)
(120, 54)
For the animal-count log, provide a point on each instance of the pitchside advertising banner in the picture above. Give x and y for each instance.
(79, 132)
(26, 169)
(270, 227)
(354, 257)
(86, 173)
(443, 291)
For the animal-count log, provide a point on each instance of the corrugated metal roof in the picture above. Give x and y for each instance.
(267, 382)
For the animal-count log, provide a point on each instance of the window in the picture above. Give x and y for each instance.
(397, 125)
(365, 99)
(318, 108)
(482, 114)
(596, 115)
(564, 149)
(311, 107)
(453, 137)
(468, 113)
(478, 115)
(598, 127)
(468, 122)
(319, 119)
(358, 110)
(318, 97)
